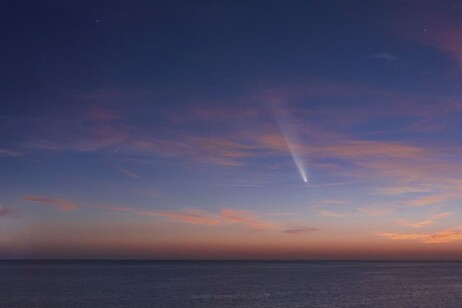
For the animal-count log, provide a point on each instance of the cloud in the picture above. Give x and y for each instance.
(210, 150)
(431, 199)
(7, 211)
(128, 173)
(403, 236)
(61, 204)
(226, 217)
(299, 230)
(192, 217)
(383, 56)
(245, 218)
(446, 236)
(333, 214)
(362, 211)
(335, 201)
(423, 223)
(367, 148)
(374, 211)
(401, 190)
(9, 153)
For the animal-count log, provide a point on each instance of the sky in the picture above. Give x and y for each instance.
(231, 129)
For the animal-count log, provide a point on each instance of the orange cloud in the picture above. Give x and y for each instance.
(445, 236)
(227, 216)
(430, 199)
(333, 214)
(423, 223)
(403, 236)
(61, 204)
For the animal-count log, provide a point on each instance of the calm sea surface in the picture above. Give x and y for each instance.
(230, 284)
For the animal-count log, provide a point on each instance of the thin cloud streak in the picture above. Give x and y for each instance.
(445, 236)
(7, 211)
(129, 173)
(10, 153)
(225, 217)
(333, 214)
(245, 218)
(423, 223)
(195, 217)
(299, 230)
(61, 204)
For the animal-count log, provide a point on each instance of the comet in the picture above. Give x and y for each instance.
(297, 158)
(291, 141)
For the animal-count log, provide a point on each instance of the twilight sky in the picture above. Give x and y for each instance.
(231, 129)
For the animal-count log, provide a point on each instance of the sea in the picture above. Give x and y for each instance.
(230, 284)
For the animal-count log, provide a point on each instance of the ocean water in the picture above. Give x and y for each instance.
(230, 284)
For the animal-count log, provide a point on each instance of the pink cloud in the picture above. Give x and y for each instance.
(299, 230)
(401, 190)
(7, 211)
(333, 214)
(226, 217)
(193, 217)
(61, 204)
(244, 218)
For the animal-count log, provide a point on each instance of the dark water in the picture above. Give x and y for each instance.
(231, 284)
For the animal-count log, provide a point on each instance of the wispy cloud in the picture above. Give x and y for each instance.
(423, 223)
(334, 214)
(192, 217)
(225, 217)
(7, 211)
(334, 202)
(374, 211)
(128, 173)
(9, 153)
(361, 211)
(445, 236)
(245, 218)
(61, 204)
(431, 199)
(401, 190)
(299, 230)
